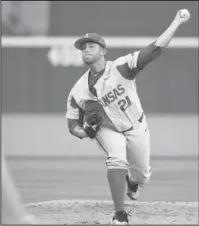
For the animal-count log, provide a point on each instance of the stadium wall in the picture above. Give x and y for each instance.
(35, 82)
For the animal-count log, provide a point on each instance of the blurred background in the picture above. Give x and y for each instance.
(40, 66)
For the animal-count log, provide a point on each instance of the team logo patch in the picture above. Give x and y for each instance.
(86, 36)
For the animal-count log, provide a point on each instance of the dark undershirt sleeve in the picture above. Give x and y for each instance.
(148, 54)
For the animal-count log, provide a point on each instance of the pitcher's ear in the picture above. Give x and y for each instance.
(103, 52)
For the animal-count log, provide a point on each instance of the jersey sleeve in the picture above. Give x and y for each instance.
(72, 108)
(130, 65)
(132, 59)
(127, 65)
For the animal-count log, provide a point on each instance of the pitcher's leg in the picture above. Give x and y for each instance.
(138, 155)
(114, 144)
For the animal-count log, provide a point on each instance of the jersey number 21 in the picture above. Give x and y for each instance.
(124, 103)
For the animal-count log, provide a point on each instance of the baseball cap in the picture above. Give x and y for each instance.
(90, 37)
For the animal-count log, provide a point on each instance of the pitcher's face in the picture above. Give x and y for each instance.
(92, 52)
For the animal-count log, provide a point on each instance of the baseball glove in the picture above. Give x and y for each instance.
(93, 118)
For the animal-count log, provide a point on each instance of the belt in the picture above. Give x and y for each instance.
(139, 120)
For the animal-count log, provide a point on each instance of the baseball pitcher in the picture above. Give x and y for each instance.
(104, 105)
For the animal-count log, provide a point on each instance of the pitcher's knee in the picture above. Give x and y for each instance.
(116, 163)
(141, 176)
(145, 176)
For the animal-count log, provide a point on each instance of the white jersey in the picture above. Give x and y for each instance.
(116, 91)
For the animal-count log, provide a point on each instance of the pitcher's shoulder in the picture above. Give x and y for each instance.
(82, 78)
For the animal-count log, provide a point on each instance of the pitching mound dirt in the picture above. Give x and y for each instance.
(101, 212)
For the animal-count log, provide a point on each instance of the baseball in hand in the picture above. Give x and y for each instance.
(184, 15)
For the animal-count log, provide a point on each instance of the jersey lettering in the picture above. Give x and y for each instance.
(121, 89)
(111, 96)
(116, 93)
(105, 101)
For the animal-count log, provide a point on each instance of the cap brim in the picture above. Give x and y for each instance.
(81, 41)
(78, 44)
